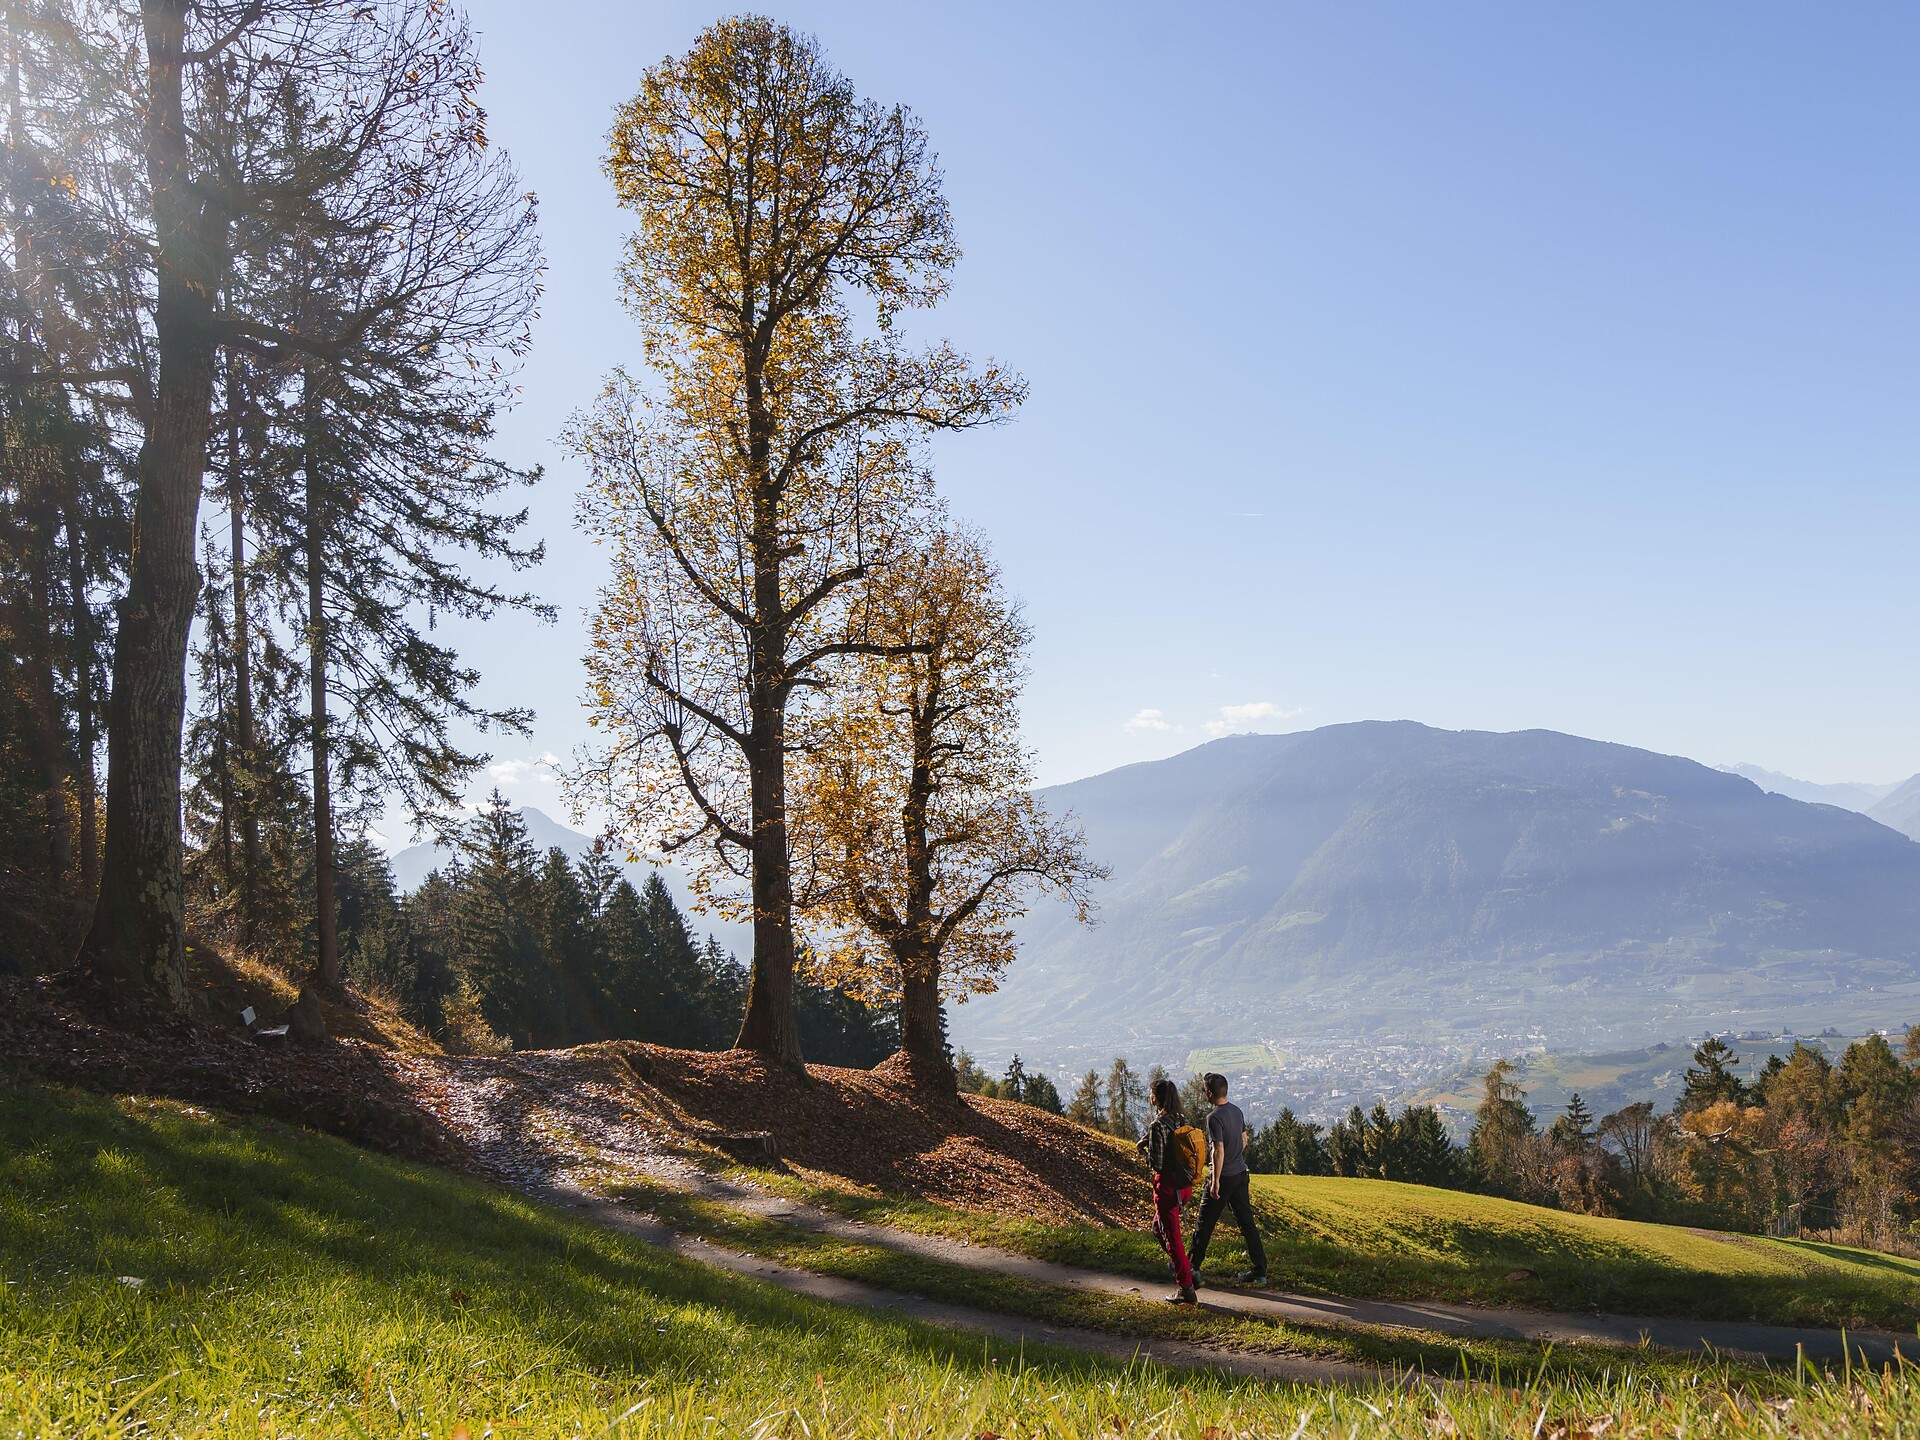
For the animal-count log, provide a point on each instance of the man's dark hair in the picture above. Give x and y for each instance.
(1216, 1087)
(1166, 1095)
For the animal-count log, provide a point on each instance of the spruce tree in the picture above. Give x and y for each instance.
(499, 948)
(1501, 1123)
(1710, 1079)
(1040, 1092)
(569, 942)
(1124, 1095)
(1086, 1107)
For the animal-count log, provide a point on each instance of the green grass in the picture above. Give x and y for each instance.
(1380, 1239)
(1146, 1316)
(290, 1285)
(1375, 1237)
(1235, 1059)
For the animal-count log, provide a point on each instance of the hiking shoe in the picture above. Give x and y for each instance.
(1255, 1278)
(1183, 1296)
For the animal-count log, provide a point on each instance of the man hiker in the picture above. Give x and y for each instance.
(1227, 1184)
(1172, 1157)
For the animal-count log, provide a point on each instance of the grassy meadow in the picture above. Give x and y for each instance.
(1383, 1239)
(169, 1273)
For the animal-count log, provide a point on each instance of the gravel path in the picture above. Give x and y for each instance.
(537, 1125)
(543, 1123)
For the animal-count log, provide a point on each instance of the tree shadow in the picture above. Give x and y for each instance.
(221, 1206)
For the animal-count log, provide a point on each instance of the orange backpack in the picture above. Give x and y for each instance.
(1190, 1151)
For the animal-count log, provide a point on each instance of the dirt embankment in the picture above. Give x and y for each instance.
(868, 1130)
(345, 1087)
(379, 1083)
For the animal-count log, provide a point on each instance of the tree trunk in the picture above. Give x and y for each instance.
(243, 758)
(135, 949)
(768, 1028)
(43, 705)
(326, 967)
(923, 1029)
(86, 789)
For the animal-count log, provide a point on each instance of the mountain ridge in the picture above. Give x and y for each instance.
(1856, 795)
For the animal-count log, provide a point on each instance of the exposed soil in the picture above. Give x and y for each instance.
(871, 1131)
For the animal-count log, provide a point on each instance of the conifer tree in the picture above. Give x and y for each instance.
(1124, 1095)
(570, 943)
(1013, 1085)
(1424, 1152)
(1288, 1146)
(1572, 1132)
(1710, 1079)
(188, 188)
(1086, 1107)
(1041, 1093)
(1501, 1124)
(499, 947)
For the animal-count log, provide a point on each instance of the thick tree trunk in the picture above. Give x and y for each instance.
(923, 1029)
(243, 758)
(135, 949)
(326, 967)
(768, 1028)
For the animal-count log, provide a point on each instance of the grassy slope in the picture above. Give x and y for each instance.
(1393, 1349)
(291, 1284)
(1377, 1238)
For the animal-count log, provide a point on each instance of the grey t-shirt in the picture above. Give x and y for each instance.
(1227, 1127)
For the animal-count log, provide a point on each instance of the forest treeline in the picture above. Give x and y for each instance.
(265, 282)
(505, 947)
(1809, 1144)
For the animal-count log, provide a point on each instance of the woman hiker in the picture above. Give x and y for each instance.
(1173, 1179)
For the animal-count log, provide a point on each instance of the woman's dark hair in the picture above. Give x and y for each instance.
(1166, 1095)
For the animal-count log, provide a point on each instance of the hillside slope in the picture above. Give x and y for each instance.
(600, 1111)
(166, 1271)
(1900, 810)
(1389, 879)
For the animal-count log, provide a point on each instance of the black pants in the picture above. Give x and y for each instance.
(1233, 1191)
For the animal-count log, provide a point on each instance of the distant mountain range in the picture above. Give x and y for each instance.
(1858, 795)
(1391, 881)
(1895, 806)
(412, 865)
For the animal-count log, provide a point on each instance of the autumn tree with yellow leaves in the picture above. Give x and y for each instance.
(920, 834)
(772, 466)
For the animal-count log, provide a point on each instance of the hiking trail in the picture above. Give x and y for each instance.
(540, 1124)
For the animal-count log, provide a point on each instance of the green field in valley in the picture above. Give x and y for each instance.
(1235, 1059)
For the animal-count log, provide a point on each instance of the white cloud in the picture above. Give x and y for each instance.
(1249, 716)
(518, 772)
(1149, 720)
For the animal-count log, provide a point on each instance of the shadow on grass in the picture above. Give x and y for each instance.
(233, 1230)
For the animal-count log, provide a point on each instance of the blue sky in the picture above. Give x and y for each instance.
(1490, 365)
